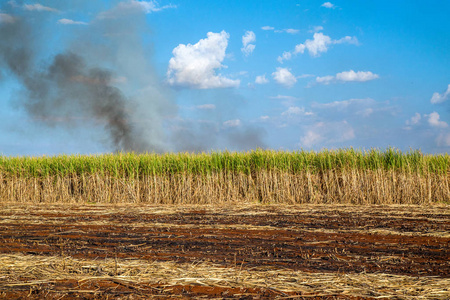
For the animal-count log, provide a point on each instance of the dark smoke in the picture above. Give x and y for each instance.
(71, 90)
(102, 78)
(247, 138)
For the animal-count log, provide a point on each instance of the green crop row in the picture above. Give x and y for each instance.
(136, 165)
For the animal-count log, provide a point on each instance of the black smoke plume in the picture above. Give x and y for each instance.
(71, 90)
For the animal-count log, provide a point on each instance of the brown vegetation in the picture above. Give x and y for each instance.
(351, 186)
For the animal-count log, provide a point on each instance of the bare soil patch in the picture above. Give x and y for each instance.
(309, 251)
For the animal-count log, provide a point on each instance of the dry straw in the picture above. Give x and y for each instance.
(342, 176)
(19, 270)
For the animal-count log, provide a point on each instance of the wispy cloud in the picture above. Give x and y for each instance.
(296, 111)
(319, 44)
(134, 6)
(195, 66)
(316, 29)
(287, 30)
(247, 39)
(439, 98)
(348, 76)
(232, 123)
(326, 133)
(71, 22)
(38, 7)
(206, 106)
(414, 120)
(267, 28)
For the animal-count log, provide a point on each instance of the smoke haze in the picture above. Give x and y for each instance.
(102, 77)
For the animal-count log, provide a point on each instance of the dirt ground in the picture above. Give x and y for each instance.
(236, 252)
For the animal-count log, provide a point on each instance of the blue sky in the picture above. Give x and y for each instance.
(180, 75)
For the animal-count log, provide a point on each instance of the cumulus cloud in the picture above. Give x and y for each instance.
(71, 22)
(195, 65)
(134, 6)
(348, 76)
(433, 120)
(261, 79)
(439, 98)
(319, 44)
(284, 77)
(247, 39)
(232, 123)
(5, 18)
(38, 7)
(328, 5)
(323, 133)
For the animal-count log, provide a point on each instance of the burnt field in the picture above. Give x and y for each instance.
(309, 251)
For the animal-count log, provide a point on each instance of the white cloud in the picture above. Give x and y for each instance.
(5, 18)
(286, 56)
(339, 105)
(134, 6)
(284, 97)
(232, 123)
(291, 31)
(296, 111)
(71, 22)
(38, 7)
(328, 5)
(325, 79)
(347, 39)
(206, 106)
(247, 39)
(414, 119)
(284, 77)
(264, 118)
(195, 65)
(261, 79)
(310, 139)
(443, 140)
(319, 44)
(288, 30)
(327, 133)
(433, 120)
(356, 76)
(293, 110)
(348, 76)
(316, 29)
(439, 98)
